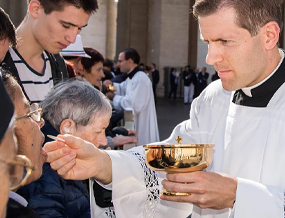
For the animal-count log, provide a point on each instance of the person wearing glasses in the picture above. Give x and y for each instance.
(8, 147)
(27, 124)
(72, 107)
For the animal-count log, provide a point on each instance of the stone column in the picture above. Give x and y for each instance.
(16, 10)
(111, 29)
(132, 26)
(193, 37)
(94, 35)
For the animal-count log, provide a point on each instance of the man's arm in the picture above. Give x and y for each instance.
(138, 97)
(78, 159)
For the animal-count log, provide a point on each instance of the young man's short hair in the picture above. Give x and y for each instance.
(89, 6)
(7, 29)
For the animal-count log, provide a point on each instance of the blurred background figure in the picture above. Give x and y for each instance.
(135, 94)
(215, 76)
(189, 87)
(155, 79)
(174, 76)
(202, 81)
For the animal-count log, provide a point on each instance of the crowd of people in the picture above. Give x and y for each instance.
(84, 175)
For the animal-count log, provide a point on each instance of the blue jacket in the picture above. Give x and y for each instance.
(53, 197)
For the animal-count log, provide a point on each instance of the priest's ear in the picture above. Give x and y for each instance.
(270, 34)
(67, 126)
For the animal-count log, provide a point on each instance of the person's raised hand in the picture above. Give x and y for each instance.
(78, 160)
(208, 190)
(107, 83)
(121, 140)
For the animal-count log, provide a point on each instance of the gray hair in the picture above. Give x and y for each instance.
(76, 100)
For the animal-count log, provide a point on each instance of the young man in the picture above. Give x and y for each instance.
(136, 93)
(242, 114)
(48, 27)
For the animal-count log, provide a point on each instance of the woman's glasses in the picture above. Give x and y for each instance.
(35, 113)
(19, 170)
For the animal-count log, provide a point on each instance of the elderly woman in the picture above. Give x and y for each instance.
(77, 108)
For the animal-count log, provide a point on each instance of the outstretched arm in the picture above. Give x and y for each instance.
(77, 159)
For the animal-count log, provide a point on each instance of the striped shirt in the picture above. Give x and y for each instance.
(35, 84)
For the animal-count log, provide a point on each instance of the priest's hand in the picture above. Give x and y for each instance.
(208, 190)
(77, 159)
(107, 83)
(110, 95)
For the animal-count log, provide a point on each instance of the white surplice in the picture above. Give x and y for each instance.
(248, 146)
(137, 94)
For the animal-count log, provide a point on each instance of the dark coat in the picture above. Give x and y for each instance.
(52, 196)
(188, 77)
(17, 210)
(155, 76)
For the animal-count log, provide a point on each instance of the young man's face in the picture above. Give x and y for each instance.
(58, 29)
(239, 58)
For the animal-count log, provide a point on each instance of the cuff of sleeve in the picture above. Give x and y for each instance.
(254, 199)
(108, 186)
(110, 142)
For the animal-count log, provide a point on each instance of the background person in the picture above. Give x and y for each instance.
(188, 77)
(155, 78)
(136, 94)
(174, 76)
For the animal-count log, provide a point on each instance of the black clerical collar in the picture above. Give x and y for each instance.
(262, 94)
(133, 72)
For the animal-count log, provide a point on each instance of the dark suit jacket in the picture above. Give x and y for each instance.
(155, 76)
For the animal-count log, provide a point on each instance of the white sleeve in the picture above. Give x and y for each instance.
(138, 98)
(257, 200)
(136, 188)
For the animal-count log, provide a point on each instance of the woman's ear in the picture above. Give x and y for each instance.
(67, 126)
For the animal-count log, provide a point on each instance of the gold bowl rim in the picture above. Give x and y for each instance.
(179, 146)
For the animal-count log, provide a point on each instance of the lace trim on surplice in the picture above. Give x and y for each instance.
(151, 183)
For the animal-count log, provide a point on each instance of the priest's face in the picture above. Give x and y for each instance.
(123, 63)
(239, 58)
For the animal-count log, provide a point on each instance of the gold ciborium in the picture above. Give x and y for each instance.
(110, 88)
(178, 158)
